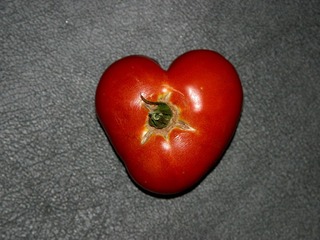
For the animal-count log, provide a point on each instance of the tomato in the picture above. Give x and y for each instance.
(170, 127)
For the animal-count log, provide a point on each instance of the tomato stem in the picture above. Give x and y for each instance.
(160, 116)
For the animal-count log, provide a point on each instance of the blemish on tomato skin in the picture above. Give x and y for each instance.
(169, 89)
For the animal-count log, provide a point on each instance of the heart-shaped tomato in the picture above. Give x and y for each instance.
(170, 127)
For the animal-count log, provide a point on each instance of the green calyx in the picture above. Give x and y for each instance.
(160, 116)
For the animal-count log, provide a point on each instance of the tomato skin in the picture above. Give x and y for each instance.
(207, 91)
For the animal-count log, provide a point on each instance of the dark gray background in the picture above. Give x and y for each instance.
(60, 179)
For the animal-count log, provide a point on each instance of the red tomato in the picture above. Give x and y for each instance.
(170, 127)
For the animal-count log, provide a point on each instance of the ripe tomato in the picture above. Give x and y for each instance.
(170, 127)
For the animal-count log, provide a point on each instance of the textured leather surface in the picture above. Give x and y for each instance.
(59, 177)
